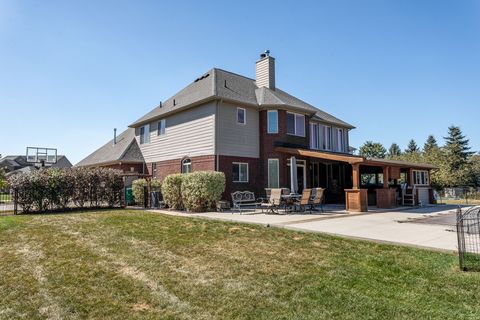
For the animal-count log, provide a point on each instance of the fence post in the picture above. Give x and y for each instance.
(15, 201)
(145, 197)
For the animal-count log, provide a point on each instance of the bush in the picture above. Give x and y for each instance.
(138, 190)
(138, 187)
(201, 190)
(58, 188)
(172, 190)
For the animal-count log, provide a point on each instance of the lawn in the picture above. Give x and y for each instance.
(134, 264)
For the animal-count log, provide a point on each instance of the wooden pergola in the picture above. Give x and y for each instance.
(356, 198)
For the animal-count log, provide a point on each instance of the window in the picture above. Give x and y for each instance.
(420, 177)
(273, 177)
(145, 134)
(240, 172)
(340, 142)
(314, 136)
(161, 127)
(154, 170)
(241, 113)
(186, 165)
(327, 138)
(296, 124)
(272, 121)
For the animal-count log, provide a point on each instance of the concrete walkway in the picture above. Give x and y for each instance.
(376, 226)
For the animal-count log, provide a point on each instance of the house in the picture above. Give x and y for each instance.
(121, 153)
(251, 130)
(18, 164)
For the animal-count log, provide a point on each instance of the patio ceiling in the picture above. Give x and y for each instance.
(354, 160)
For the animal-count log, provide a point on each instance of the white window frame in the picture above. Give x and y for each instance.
(268, 172)
(420, 180)
(248, 172)
(295, 117)
(244, 116)
(189, 164)
(162, 127)
(317, 136)
(326, 138)
(145, 138)
(340, 137)
(268, 121)
(154, 170)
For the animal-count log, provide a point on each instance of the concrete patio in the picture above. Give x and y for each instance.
(397, 226)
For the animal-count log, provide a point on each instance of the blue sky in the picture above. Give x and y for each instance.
(72, 71)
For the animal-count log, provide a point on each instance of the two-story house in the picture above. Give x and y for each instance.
(250, 129)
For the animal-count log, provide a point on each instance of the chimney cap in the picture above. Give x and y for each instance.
(265, 54)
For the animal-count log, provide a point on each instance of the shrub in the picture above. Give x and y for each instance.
(138, 190)
(172, 190)
(201, 190)
(57, 188)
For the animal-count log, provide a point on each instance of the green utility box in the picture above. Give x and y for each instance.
(129, 196)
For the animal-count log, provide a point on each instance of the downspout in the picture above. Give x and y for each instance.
(217, 156)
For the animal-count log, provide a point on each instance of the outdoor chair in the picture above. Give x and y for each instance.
(273, 201)
(318, 199)
(305, 200)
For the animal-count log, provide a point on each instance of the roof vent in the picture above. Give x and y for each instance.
(160, 105)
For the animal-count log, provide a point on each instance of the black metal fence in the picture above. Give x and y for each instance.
(468, 233)
(7, 202)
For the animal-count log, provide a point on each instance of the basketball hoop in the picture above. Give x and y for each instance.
(41, 156)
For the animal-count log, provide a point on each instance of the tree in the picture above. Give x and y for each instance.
(458, 170)
(394, 151)
(372, 149)
(3, 180)
(430, 145)
(412, 147)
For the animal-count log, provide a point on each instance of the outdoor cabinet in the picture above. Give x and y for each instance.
(356, 200)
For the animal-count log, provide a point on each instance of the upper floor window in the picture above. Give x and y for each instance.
(314, 136)
(186, 165)
(420, 177)
(340, 140)
(296, 124)
(240, 172)
(145, 134)
(241, 116)
(327, 138)
(272, 121)
(161, 127)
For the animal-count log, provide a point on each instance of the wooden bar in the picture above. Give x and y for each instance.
(386, 198)
(356, 200)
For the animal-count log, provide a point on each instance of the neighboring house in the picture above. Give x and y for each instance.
(250, 129)
(19, 164)
(122, 153)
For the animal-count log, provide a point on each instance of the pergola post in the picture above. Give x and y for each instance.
(356, 199)
(386, 177)
(355, 176)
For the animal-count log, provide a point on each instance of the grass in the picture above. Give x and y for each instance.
(139, 265)
(460, 201)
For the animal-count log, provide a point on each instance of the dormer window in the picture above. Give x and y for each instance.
(241, 116)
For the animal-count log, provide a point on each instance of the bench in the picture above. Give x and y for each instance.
(243, 199)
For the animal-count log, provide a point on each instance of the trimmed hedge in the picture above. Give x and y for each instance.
(172, 191)
(201, 190)
(138, 187)
(53, 189)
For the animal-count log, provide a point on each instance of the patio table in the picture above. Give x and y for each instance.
(289, 200)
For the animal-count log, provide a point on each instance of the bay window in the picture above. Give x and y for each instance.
(296, 124)
(272, 121)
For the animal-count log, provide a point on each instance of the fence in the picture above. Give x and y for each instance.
(7, 202)
(459, 195)
(468, 234)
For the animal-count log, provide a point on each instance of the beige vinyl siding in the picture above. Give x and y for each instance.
(234, 139)
(189, 133)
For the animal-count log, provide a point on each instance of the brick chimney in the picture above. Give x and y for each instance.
(265, 71)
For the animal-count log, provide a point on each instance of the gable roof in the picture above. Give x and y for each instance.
(19, 161)
(125, 150)
(232, 87)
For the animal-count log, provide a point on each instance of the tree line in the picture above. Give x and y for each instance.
(458, 165)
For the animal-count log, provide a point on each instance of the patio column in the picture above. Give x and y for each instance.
(355, 176)
(386, 177)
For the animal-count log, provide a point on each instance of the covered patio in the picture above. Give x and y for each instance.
(359, 182)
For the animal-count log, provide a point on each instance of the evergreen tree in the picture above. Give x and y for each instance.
(372, 149)
(458, 170)
(412, 147)
(394, 151)
(430, 145)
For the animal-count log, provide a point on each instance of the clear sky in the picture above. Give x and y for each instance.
(71, 71)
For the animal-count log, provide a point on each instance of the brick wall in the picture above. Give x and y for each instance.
(255, 180)
(164, 168)
(126, 167)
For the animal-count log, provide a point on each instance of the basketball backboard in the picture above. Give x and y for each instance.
(42, 156)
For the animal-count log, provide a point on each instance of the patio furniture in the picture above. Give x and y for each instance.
(289, 200)
(274, 201)
(223, 205)
(305, 200)
(318, 199)
(242, 199)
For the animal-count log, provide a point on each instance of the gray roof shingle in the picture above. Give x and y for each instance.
(221, 84)
(126, 149)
